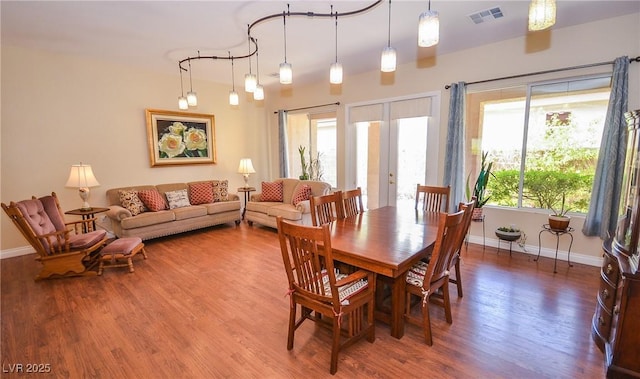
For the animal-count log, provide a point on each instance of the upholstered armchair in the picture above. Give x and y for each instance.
(61, 246)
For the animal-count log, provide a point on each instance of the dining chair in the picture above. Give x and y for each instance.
(315, 285)
(429, 282)
(352, 200)
(326, 208)
(433, 198)
(467, 208)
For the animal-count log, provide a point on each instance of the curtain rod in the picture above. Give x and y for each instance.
(314, 106)
(636, 59)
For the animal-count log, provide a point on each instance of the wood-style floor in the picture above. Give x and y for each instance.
(212, 304)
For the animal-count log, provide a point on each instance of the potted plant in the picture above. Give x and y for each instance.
(559, 220)
(480, 187)
(508, 233)
(303, 164)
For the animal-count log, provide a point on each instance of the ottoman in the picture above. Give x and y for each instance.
(118, 250)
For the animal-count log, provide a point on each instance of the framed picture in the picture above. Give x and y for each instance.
(177, 138)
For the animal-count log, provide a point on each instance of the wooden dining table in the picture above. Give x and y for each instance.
(387, 241)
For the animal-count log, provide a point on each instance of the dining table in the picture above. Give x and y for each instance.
(387, 241)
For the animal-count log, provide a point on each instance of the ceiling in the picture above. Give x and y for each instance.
(156, 35)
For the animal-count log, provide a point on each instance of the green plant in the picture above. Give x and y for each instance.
(562, 211)
(303, 164)
(480, 186)
(508, 229)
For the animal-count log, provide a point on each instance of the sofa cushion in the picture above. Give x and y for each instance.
(220, 190)
(261, 206)
(287, 211)
(301, 193)
(222, 206)
(183, 213)
(130, 200)
(146, 219)
(200, 193)
(177, 199)
(271, 191)
(153, 200)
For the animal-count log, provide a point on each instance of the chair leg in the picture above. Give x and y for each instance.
(446, 302)
(335, 348)
(426, 323)
(130, 264)
(292, 326)
(458, 278)
(371, 337)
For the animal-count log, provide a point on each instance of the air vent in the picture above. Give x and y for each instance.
(486, 15)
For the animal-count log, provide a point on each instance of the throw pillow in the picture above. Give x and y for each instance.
(271, 191)
(152, 200)
(301, 193)
(220, 190)
(130, 200)
(201, 193)
(177, 199)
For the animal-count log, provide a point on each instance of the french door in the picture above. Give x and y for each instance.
(394, 146)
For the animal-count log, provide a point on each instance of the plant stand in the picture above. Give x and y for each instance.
(508, 237)
(557, 233)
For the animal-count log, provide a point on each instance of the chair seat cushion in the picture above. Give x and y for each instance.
(415, 276)
(86, 240)
(347, 291)
(122, 246)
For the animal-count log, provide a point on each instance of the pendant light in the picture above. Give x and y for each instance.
(233, 95)
(542, 14)
(192, 99)
(182, 101)
(258, 94)
(249, 79)
(286, 71)
(428, 28)
(335, 71)
(388, 58)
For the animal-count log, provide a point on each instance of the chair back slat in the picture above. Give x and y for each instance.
(352, 200)
(433, 198)
(326, 208)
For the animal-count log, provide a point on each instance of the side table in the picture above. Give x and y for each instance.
(557, 233)
(86, 214)
(247, 195)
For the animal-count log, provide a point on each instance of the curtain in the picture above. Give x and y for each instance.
(454, 164)
(283, 153)
(602, 216)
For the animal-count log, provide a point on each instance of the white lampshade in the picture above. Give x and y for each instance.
(233, 98)
(81, 177)
(388, 59)
(250, 82)
(542, 14)
(428, 29)
(258, 94)
(286, 73)
(245, 168)
(192, 99)
(182, 103)
(335, 73)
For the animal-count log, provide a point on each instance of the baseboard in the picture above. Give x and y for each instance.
(576, 256)
(16, 252)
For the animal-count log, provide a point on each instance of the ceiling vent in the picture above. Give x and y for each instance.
(486, 15)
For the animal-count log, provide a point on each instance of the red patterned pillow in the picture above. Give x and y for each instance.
(153, 200)
(302, 193)
(201, 193)
(271, 191)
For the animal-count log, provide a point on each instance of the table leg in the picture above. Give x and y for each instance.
(397, 306)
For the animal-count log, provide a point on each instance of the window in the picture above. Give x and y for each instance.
(317, 134)
(543, 139)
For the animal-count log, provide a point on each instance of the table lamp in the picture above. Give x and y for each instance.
(81, 177)
(246, 168)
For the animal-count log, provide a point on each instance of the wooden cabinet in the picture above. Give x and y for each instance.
(616, 321)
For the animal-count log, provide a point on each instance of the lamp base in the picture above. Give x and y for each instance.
(84, 195)
(246, 180)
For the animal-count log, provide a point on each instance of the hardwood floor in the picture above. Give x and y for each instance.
(212, 304)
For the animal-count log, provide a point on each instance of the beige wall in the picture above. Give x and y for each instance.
(60, 110)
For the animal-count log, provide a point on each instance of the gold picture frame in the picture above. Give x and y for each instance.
(178, 138)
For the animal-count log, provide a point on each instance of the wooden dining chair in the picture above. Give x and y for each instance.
(315, 285)
(429, 282)
(467, 208)
(326, 208)
(433, 198)
(352, 200)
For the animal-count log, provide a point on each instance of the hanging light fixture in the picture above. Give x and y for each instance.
(542, 14)
(233, 95)
(192, 99)
(258, 94)
(249, 79)
(428, 28)
(388, 58)
(286, 71)
(182, 101)
(335, 71)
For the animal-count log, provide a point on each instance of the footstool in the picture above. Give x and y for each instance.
(122, 248)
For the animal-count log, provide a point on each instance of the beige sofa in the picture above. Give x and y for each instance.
(148, 224)
(265, 212)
